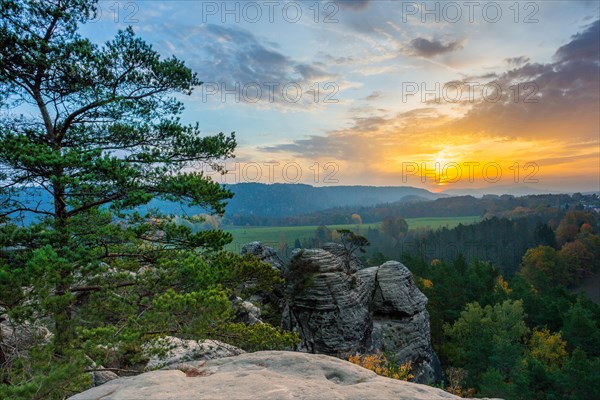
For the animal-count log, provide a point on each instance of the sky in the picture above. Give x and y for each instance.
(449, 95)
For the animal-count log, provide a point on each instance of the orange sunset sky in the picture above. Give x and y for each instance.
(392, 93)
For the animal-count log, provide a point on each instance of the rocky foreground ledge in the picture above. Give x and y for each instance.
(262, 375)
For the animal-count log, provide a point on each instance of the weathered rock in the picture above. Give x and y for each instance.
(180, 351)
(353, 264)
(101, 377)
(263, 375)
(406, 341)
(16, 339)
(248, 313)
(263, 253)
(329, 307)
(401, 322)
(395, 292)
(339, 308)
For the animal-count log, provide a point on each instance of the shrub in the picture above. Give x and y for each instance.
(380, 364)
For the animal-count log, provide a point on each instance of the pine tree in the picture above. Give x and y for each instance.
(105, 138)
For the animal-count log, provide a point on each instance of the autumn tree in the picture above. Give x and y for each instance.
(543, 268)
(578, 261)
(570, 226)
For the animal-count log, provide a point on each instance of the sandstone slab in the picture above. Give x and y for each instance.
(263, 375)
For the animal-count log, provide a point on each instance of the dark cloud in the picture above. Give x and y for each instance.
(556, 101)
(583, 46)
(431, 48)
(374, 96)
(354, 5)
(559, 99)
(233, 56)
(517, 61)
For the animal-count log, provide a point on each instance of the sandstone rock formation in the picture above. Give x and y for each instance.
(275, 299)
(328, 306)
(18, 338)
(401, 322)
(101, 377)
(352, 262)
(341, 308)
(248, 313)
(263, 253)
(263, 375)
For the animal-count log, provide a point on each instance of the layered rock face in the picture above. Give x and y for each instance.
(263, 375)
(401, 322)
(338, 307)
(328, 306)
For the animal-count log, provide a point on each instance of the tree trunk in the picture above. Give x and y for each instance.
(62, 314)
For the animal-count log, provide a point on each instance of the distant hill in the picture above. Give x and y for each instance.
(416, 207)
(274, 200)
(514, 190)
(288, 200)
(258, 204)
(278, 200)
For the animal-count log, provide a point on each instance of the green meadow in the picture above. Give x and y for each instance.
(273, 235)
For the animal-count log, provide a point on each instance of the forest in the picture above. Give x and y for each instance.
(509, 315)
(415, 207)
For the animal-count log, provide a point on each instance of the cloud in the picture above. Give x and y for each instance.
(553, 100)
(337, 60)
(516, 61)
(237, 62)
(430, 48)
(366, 136)
(354, 5)
(583, 46)
(374, 96)
(543, 110)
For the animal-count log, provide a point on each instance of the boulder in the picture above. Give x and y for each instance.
(16, 339)
(263, 253)
(395, 291)
(247, 312)
(263, 375)
(101, 377)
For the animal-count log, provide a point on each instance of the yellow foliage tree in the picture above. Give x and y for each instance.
(379, 364)
(548, 347)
